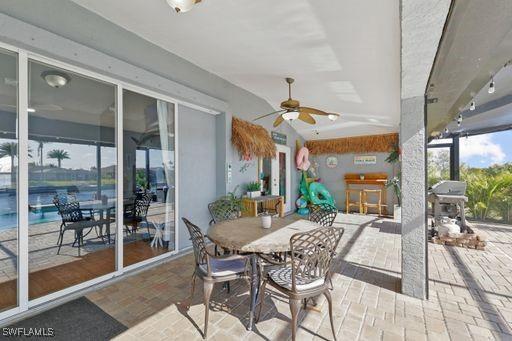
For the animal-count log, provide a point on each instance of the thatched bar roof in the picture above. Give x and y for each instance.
(251, 140)
(357, 144)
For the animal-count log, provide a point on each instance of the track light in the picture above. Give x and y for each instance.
(459, 120)
(446, 131)
(472, 105)
(492, 88)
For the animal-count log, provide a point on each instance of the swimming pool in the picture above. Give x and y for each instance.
(42, 203)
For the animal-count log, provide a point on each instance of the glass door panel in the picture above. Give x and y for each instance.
(149, 175)
(72, 189)
(8, 181)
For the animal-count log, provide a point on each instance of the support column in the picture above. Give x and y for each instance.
(414, 218)
(455, 159)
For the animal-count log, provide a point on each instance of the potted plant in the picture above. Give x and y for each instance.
(233, 203)
(253, 189)
(395, 183)
(394, 159)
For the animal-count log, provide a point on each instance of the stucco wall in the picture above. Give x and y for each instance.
(197, 154)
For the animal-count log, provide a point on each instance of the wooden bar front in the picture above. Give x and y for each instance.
(371, 180)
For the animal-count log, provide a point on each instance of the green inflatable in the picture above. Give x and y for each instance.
(318, 194)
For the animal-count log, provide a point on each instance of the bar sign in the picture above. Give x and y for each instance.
(279, 138)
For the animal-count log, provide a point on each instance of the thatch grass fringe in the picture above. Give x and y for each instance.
(356, 144)
(251, 140)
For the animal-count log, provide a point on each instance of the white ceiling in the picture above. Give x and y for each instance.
(344, 54)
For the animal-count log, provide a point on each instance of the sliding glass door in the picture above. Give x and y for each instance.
(68, 177)
(8, 181)
(149, 177)
(72, 187)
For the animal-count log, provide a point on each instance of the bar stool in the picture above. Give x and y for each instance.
(366, 204)
(349, 203)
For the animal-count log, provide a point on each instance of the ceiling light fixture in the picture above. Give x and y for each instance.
(291, 115)
(492, 88)
(446, 131)
(31, 110)
(459, 120)
(56, 79)
(472, 105)
(182, 6)
(333, 117)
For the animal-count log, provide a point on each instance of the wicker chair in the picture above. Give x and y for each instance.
(307, 274)
(212, 269)
(323, 214)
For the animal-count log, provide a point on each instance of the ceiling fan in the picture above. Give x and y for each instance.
(291, 110)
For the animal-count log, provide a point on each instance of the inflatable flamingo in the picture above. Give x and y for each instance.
(302, 159)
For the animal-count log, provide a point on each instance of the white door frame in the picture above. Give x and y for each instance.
(275, 175)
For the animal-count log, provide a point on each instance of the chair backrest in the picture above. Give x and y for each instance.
(312, 253)
(323, 214)
(222, 209)
(141, 205)
(68, 210)
(198, 243)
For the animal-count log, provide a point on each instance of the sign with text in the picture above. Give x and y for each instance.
(365, 160)
(279, 138)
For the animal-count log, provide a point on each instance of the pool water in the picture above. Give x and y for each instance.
(45, 214)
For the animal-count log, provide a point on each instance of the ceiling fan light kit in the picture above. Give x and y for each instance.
(291, 110)
(291, 115)
(333, 117)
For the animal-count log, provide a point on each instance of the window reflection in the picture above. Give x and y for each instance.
(149, 177)
(8, 182)
(72, 190)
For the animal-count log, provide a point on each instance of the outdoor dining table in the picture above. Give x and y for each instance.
(246, 235)
(101, 208)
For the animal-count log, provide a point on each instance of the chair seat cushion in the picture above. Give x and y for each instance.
(225, 267)
(283, 278)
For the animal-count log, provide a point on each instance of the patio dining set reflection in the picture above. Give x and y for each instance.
(83, 218)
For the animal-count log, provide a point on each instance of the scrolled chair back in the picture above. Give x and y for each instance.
(222, 210)
(68, 210)
(142, 203)
(312, 253)
(198, 243)
(323, 214)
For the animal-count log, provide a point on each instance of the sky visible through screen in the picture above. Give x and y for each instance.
(485, 150)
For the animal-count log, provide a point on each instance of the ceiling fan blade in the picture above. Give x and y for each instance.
(305, 117)
(313, 111)
(278, 120)
(272, 113)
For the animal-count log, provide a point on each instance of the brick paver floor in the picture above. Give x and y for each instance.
(470, 295)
